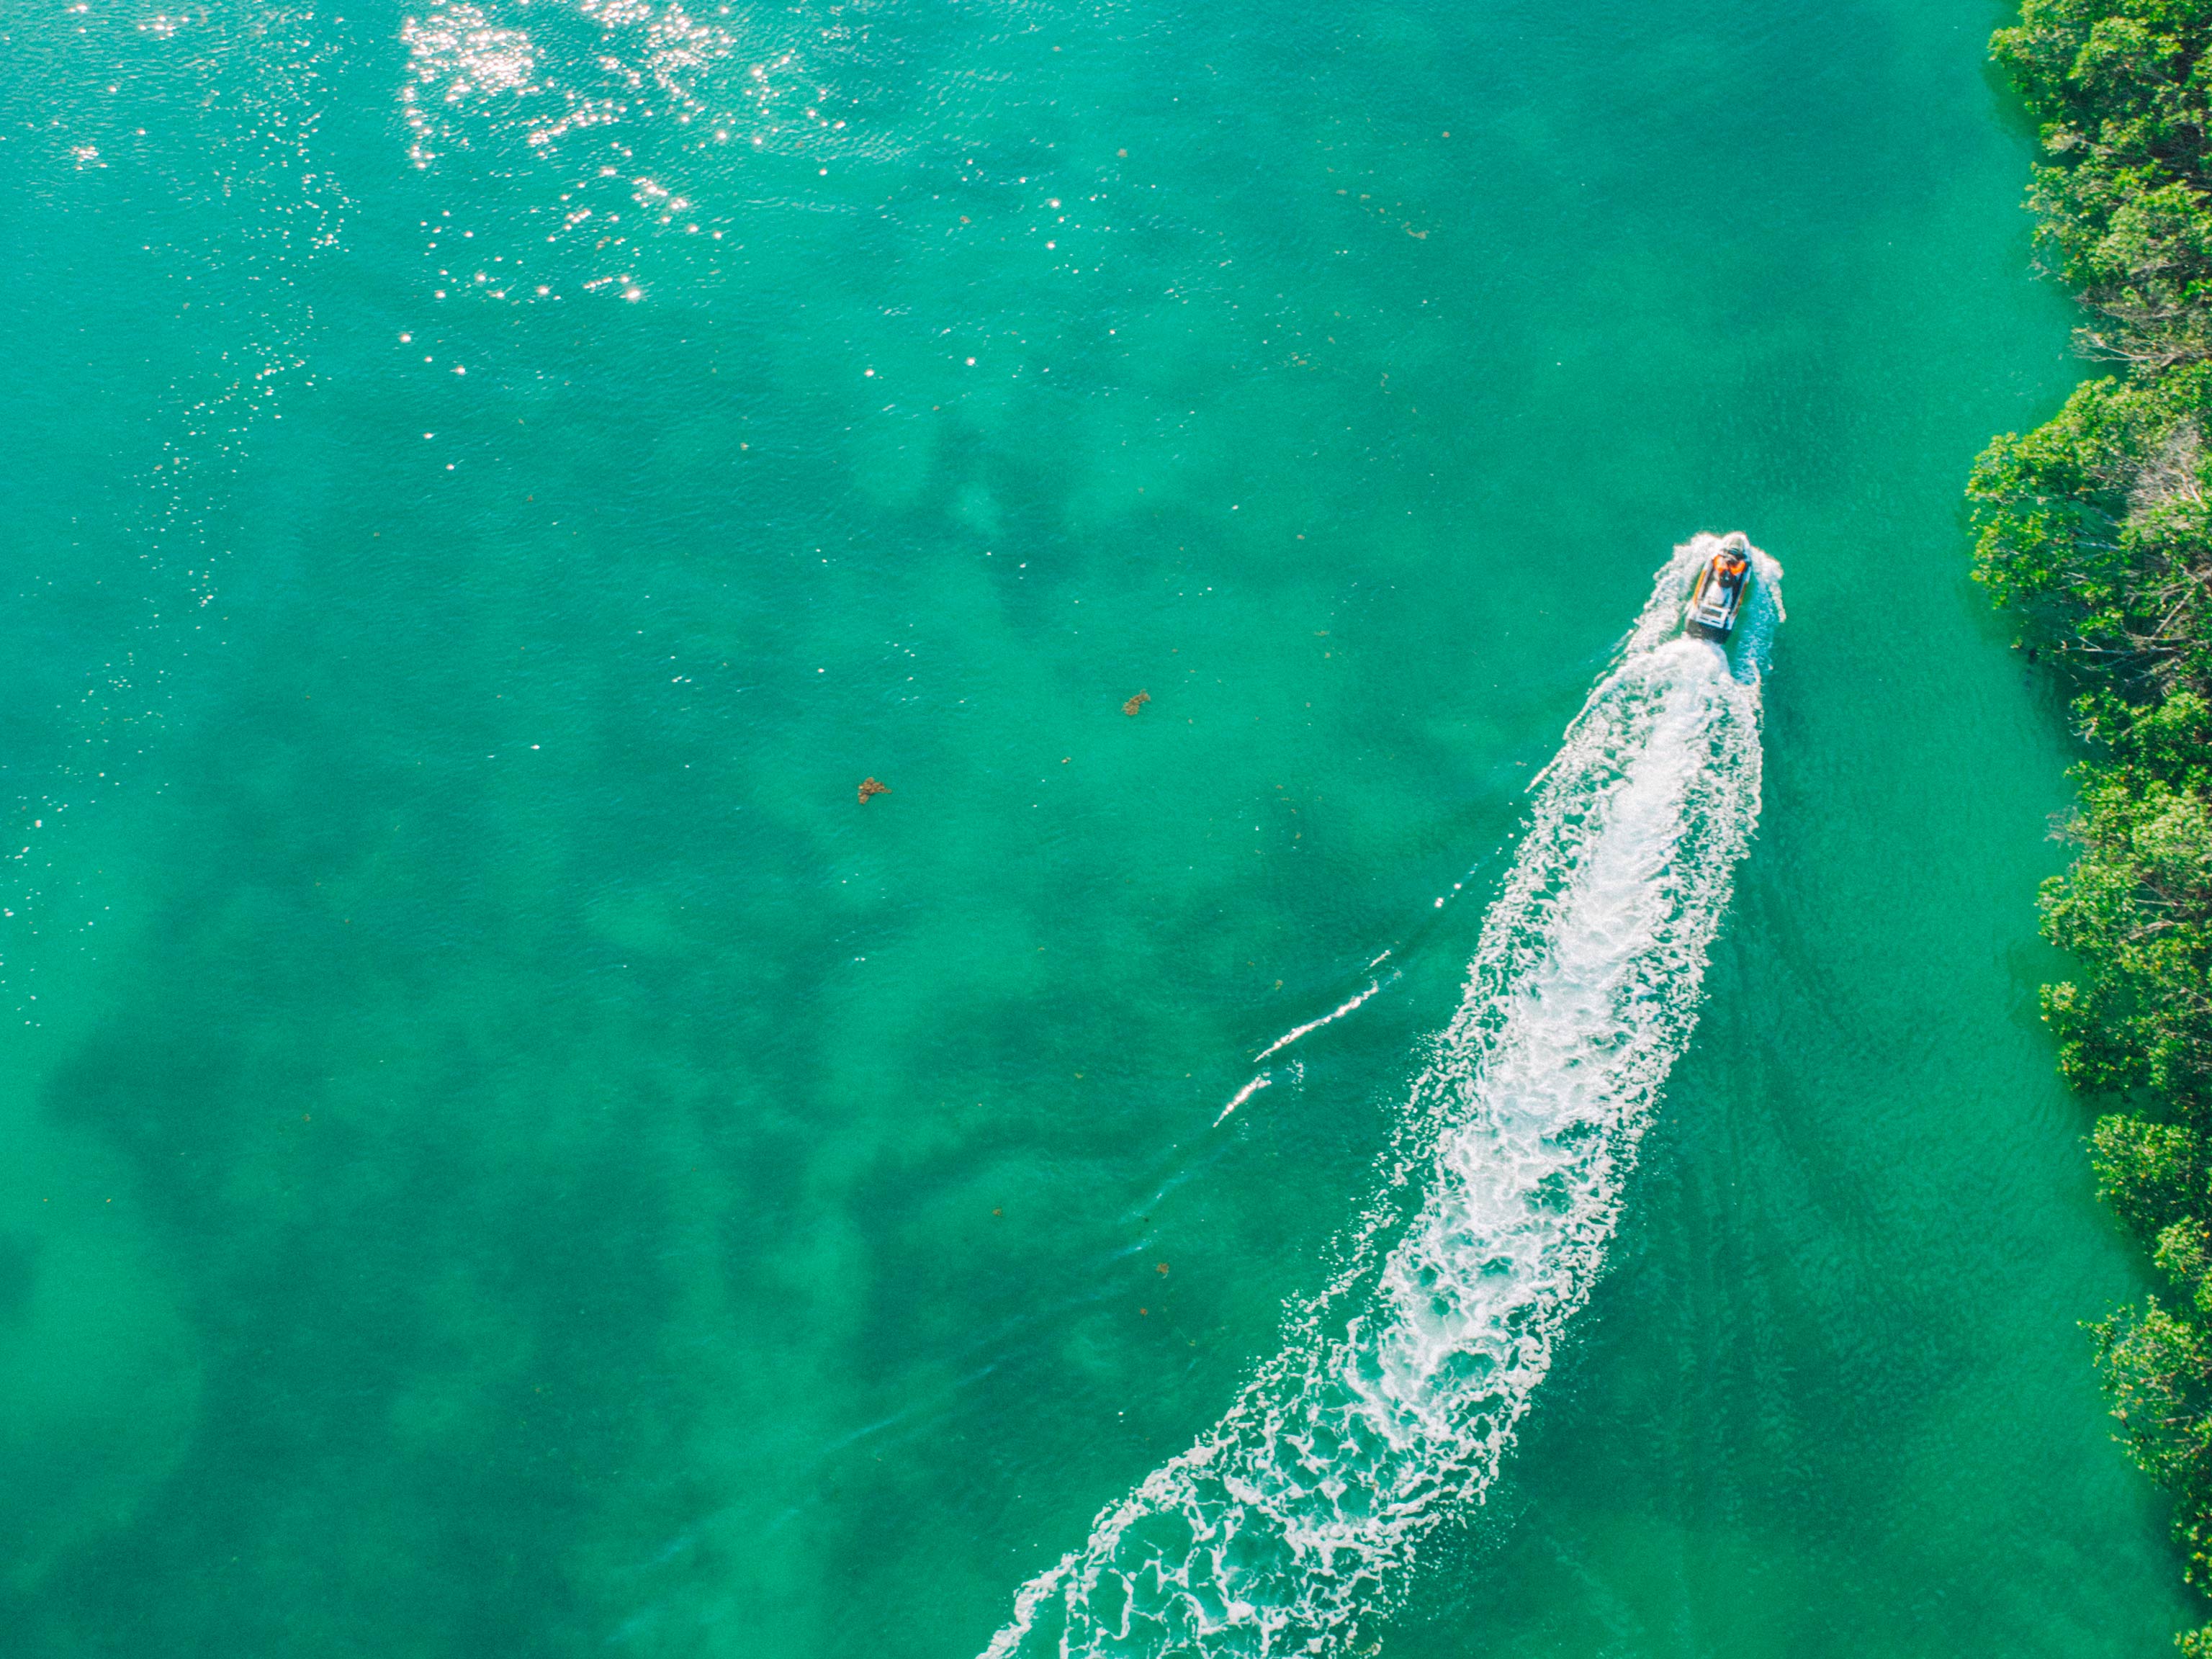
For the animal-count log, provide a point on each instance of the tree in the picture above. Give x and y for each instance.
(2121, 92)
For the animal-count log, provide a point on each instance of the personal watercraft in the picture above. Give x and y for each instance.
(1718, 595)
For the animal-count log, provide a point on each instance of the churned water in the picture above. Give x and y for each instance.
(1255, 1142)
(1291, 1523)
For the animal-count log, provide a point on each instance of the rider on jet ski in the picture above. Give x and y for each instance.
(1718, 591)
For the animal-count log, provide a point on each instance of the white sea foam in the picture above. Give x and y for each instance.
(1289, 1526)
(1328, 1019)
(1264, 1079)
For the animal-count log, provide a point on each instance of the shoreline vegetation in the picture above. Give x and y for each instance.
(2096, 534)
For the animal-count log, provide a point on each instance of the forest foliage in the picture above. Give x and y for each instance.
(2094, 533)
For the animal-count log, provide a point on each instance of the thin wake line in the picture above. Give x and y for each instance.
(1334, 1014)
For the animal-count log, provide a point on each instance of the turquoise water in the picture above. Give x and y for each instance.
(508, 1154)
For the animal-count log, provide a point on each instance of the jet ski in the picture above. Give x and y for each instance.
(1717, 597)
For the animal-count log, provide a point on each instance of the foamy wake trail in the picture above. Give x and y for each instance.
(1289, 1526)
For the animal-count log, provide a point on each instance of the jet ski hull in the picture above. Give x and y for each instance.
(1715, 601)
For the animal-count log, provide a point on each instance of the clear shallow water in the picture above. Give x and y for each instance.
(470, 1196)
